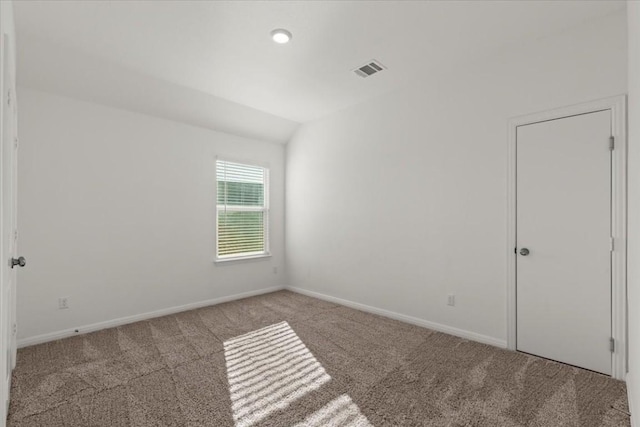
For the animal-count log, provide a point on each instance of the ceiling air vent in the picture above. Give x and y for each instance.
(369, 69)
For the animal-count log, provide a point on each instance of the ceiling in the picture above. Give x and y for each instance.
(222, 49)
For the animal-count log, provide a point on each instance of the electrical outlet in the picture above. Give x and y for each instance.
(451, 300)
(275, 270)
(63, 303)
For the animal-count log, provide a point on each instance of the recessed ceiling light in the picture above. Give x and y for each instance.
(281, 36)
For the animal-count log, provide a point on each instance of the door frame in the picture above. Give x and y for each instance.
(617, 105)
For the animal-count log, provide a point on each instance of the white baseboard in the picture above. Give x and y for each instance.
(634, 403)
(473, 336)
(52, 336)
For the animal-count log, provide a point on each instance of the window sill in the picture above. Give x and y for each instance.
(241, 258)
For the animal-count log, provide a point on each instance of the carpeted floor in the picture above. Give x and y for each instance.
(284, 359)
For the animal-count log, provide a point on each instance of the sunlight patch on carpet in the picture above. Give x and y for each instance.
(268, 369)
(341, 411)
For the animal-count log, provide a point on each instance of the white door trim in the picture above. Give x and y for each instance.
(617, 106)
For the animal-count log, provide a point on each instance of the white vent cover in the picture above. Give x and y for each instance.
(370, 68)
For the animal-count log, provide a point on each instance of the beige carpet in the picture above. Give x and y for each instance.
(284, 359)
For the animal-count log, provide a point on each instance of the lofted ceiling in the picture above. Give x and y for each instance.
(222, 49)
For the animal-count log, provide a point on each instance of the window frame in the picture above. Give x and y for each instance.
(264, 209)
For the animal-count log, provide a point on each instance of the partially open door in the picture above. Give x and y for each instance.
(8, 224)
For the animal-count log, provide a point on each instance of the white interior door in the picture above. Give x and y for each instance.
(13, 349)
(8, 151)
(563, 289)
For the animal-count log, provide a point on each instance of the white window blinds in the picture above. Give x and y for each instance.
(242, 210)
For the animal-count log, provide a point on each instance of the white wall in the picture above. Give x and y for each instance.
(633, 265)
(400, 201)
(117, 213)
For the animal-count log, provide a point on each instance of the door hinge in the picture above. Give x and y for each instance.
(15, 329)
(15, 142)
(611, 244)
(612, 143)
(9, 98)
(612, 344)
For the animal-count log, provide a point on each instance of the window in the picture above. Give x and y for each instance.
(242, 210)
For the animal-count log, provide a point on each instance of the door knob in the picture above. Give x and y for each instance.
(524, 251)
(18, 261)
